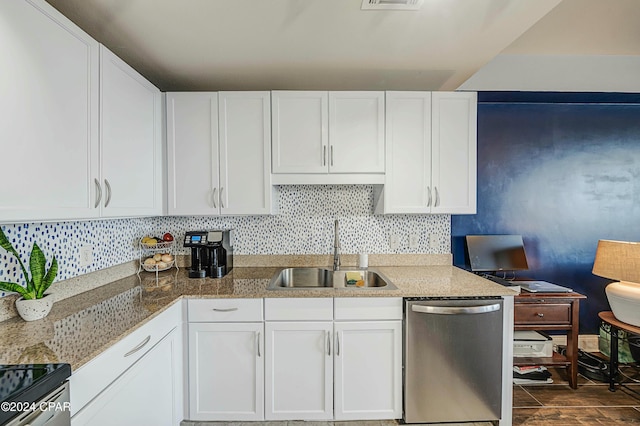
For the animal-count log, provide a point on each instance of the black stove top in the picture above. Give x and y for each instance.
(29, 383)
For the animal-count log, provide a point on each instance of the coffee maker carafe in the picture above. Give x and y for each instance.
(211, 253)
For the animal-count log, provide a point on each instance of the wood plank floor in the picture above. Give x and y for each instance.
(591, 404)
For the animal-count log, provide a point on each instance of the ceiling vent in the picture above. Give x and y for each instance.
(391, 4)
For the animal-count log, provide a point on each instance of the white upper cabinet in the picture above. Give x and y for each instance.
(408, 152)
(244, 122)
(300, 121)
(218, 153)
(130, 141)
(192, 153)
(328, 137)
(356, 132)
(48, 115)
(81, 128)
(430, 153)
(454, 152)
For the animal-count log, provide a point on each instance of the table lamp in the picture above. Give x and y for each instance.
(620, 260)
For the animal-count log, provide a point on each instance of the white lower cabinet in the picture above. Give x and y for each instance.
(368, 370)
(318, 369)
(226, 371)
(299, 372)
(149, 392)
(226, 359)
(138, 380)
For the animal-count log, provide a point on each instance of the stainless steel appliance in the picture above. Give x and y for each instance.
(35, 394)
(453, 360)
(211, 253)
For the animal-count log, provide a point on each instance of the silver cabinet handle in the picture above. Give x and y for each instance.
(258, 337)
(214, 196)
(99, 197)
(225, 309)
(454, 310)
(437, 203)
(328, 343)
(140, 346)
(429, 193)
(540, 315)
(331, 155)
(337, 343)
(324, 155)
(221, 198)
(108, 200)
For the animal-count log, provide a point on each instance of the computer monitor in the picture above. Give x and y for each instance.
(491, 253)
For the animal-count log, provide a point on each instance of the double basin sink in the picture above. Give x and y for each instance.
(324, 278)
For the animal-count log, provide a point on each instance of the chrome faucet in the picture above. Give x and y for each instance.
(336, 250)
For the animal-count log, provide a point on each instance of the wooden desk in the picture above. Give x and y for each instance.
(546, 312)
(608, 318)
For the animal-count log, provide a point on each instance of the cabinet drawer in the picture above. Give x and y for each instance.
(298, 309)
(532, 313)
(368, 308)
(224, 310)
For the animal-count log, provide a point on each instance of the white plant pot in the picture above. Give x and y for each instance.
(34, 309)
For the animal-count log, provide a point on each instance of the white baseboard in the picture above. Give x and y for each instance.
(586, 342)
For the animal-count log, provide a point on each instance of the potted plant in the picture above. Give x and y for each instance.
(34, 303)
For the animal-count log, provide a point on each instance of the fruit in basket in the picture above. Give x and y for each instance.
(167, 237)
(157, 257)
(161, 265)
(166, 258)
(149, 261)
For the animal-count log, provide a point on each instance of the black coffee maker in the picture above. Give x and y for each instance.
(211, 253)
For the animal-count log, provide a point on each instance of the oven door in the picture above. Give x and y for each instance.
(52, 410)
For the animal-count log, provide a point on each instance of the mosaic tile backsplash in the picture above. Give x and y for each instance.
(304, 224)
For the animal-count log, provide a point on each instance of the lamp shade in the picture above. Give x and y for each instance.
(618, 260)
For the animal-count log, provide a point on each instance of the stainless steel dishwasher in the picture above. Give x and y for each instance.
(452, 360)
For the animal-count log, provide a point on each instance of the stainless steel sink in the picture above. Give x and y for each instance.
(372, 279)
(321, 278)
(302, 278)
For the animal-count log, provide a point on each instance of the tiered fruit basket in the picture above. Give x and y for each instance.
(157, 254)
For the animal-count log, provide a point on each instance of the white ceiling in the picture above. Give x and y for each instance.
(334, 45)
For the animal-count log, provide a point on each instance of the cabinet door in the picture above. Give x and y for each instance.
(299, 371)
(226, 371)
(192, 153)
(368, 370)
(130, 140)
(356, 132)
(453, 141)
(48, 115)
(148, 393)
(300, 131)
(407, 187)
(245, 152)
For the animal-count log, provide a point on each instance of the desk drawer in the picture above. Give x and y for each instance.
(533, 313)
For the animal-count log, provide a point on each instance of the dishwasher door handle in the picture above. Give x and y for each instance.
(455, 310)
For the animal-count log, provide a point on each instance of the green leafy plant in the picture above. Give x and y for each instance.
(40, 279)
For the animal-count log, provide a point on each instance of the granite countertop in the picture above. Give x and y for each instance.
(82, 326)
